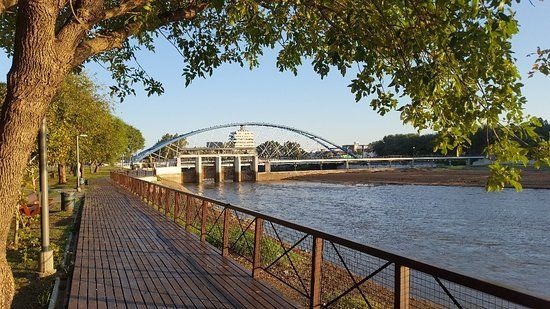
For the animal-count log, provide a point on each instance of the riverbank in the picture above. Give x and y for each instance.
(470, 177)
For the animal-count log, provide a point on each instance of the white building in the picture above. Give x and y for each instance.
(242, 138)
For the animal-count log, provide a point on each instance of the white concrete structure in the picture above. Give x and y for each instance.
(242, 138)
(219, 169)
(237, 165)
(198, 169)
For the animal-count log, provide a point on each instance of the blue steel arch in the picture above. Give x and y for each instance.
(320, 140)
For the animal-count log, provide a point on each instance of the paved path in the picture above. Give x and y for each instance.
(130, 256)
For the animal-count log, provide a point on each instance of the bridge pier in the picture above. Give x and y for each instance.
(254, 168)
(218, 177)
(198, 169)
(237, 165)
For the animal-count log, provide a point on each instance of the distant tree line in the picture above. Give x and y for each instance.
(405, 145)
(276, 150)
(423, 145)
(171, 151)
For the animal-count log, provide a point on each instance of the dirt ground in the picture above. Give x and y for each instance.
(477, 177)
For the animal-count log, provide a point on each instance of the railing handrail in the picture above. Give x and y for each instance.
(497, 289)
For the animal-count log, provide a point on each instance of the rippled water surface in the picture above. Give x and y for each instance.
(503, 237)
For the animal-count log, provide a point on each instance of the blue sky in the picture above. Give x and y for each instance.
(325, 107)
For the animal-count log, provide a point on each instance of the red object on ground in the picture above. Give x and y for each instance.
(32, 207)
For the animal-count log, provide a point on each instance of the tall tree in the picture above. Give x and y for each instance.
(450, 60)
(134, 140)
(77, 108)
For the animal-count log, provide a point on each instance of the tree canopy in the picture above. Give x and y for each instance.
(78, 108)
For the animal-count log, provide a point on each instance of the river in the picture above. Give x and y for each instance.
(502, 237)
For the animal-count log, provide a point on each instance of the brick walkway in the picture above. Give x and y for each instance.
(129, 255)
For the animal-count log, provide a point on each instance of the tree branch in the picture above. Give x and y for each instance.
(114, 39)
(124, 8)
(101, 43)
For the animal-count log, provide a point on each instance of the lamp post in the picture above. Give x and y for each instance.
(46, 254)
(78, 161)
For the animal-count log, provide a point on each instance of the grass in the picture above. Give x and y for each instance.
(32, 291)
(351, 301)
(242, 244)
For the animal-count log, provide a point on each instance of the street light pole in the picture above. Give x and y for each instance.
(78, 161)
(46, 254)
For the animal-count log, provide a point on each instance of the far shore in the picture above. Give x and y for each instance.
(471, 177)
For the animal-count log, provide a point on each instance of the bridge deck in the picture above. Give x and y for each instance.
(129, 255)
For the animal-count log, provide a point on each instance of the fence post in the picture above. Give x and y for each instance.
(203, 220)
(402, 287)
(187, 213)
(316, 260)
(257, 257)
(176, 206)
(150, 189)
(166, 201)
(225, 236)
(159, 198)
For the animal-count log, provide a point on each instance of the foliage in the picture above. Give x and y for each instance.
(542, 63)
(32, 291)
(274, 150)
(134, 140)
(171, 151)
(405, 145)
(242, 244)
(445, 65)
(418, 145)
(29, 243)
(76, 109)
(79, 109)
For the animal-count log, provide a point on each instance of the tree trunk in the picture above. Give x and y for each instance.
(62, 173)
(96, 167)
(36, 73)
(81, 170)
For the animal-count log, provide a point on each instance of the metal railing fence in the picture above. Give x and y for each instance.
(317, 269)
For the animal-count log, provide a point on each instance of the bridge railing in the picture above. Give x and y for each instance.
(317, 269)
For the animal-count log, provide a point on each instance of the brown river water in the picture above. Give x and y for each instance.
(503, 237)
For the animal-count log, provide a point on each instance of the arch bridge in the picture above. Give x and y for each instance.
(172, 144)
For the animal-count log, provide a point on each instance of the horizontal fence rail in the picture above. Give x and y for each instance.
(317, 269)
